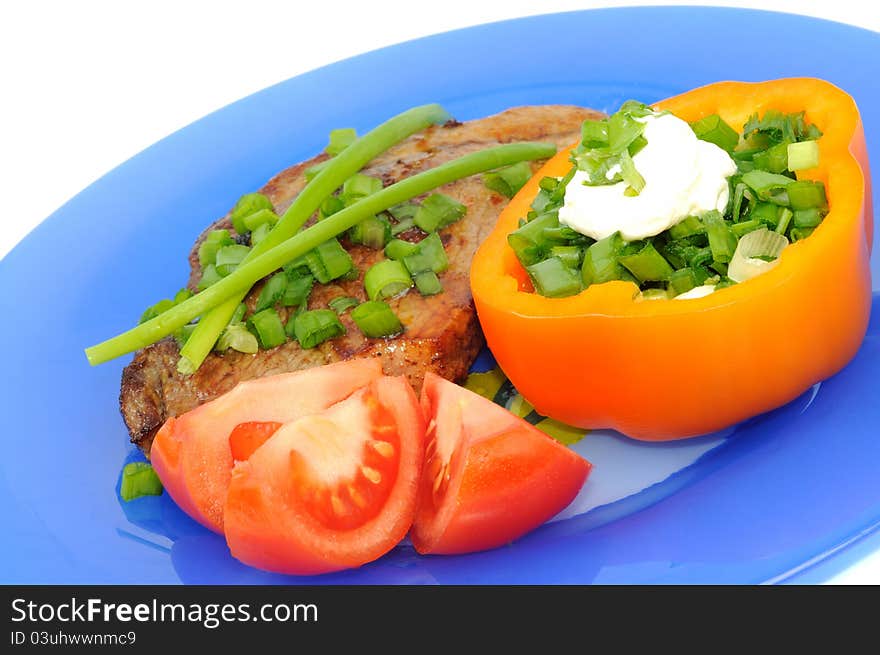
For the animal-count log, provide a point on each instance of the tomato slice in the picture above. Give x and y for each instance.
(192, 454)
(333, 490)
(489, 476)
(245, 438)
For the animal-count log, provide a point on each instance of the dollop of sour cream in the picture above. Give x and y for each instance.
(683, 176)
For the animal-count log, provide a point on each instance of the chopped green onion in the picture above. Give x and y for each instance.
(316, 326)
(636, 146)
(404, 210)
(714, 130)
(647, 264)
(700, 256)
(785, 215)
(774, 159)
(269, 328)
(741, 192)
(427, 283)
(214, 240)
(739, 229)
(340, 139)
(567, 435)
(770, 187)
(600, 261)
(765, 212)
(688, 226)
(402, 226)
(154, 310)
(594, 133)
(330, 206)
(376, 319)
(398, 249)
(386, 279)
(373, 232)
(260, 233)
(553, 279)
(181, 295)
(682, 280)
(297, 290)
(139, 479)
(806, 194)
(209, 276)
(341, 304)
(722, 241)
(236, 286)
(248, 204)
(630, 175)
(755, 253)
(437, 211)
(807, 217)
(237, 337)
(563, 234)
(529, 240)
(359, 186)
(798, 233)
(430, 256)
(802, 155)
(238, 314)
(623, 128)
(258, 218)
(329, 261)
(570, 255)
(508, 180)
(775, 127)
(312, 171)
(229, 257)
(272, 291)
(653, 294)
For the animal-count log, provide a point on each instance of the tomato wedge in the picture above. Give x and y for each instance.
(489, 476)
(192, 454)
(332, 490)
(245, 438)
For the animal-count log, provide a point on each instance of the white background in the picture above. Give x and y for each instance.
(87, 84)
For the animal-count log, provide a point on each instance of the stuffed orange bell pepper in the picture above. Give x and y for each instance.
(607, 357)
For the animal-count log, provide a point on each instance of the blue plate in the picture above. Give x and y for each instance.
(791, 495)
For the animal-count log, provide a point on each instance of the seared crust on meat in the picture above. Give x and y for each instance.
(441, 334)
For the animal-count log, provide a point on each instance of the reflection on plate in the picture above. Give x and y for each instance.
(766, 502)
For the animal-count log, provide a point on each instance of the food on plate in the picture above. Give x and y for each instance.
(331, 490)
(489, 476)
(138, 480)
(194, 453)
(683, 321)
(329, 468)
(318, 309)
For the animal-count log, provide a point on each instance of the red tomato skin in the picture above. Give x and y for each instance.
(502, 485)
(165, 458)
(191, 453)
(507, 491)
(264, 532)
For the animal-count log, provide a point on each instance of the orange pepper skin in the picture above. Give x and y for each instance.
(669, 369)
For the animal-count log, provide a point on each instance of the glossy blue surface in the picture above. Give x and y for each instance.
(765, 503)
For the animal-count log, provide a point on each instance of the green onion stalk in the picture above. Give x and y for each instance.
(345, 164)
(259, 265)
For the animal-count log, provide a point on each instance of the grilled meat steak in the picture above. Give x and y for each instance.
(441, 332)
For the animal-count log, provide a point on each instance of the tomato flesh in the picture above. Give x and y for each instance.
(490, 476)
(245, 438)
(192, 453)
(353, 499)
(332, 490)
